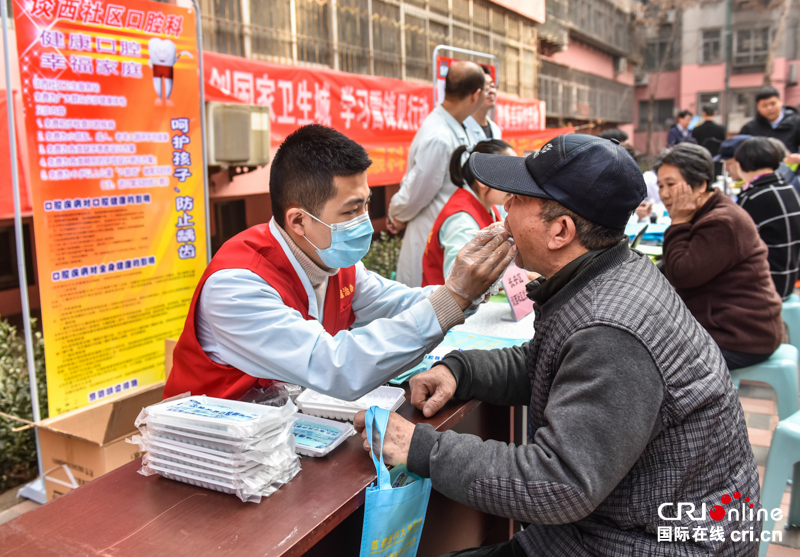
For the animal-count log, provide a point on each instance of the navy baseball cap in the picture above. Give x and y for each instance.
(728, 147)
(592, 177)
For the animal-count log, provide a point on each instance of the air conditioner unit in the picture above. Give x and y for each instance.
(642, 80)
(791, 75)
(620, 64)
(238, 134)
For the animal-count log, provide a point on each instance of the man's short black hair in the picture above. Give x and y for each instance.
(692, 161)
(303, 168)
(757, 153)
(462, 84)
(684, 113)
(709, 109)
(767, 93)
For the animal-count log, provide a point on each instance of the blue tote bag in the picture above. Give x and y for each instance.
(393, 516)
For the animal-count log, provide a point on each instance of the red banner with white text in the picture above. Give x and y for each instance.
(380, 113)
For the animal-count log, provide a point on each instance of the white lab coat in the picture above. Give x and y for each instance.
(425, 188)
(476, 133)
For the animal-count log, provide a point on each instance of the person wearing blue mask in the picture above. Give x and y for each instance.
(290, 300)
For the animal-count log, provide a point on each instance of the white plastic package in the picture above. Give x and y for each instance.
(155, 444)
(216, 416)
(217, 484)
(266, 443)
(234, 447)
(318, 436)
(324, 406)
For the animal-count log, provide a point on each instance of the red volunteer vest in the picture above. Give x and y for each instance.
(257, 250)
(460, 202)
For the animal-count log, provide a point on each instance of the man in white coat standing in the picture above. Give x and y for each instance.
(479, 126)
(426, 187)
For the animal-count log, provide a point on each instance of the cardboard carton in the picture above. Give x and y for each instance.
(84, 444)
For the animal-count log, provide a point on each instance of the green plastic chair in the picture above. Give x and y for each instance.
(791, 316)
(780, 372)
(783, 463)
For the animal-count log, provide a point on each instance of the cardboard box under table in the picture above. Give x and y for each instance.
(86, 443)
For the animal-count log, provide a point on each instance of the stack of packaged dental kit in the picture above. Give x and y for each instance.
(240, 448)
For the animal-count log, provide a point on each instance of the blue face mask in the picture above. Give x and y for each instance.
(350, 241)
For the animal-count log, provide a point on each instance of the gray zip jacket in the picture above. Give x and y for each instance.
(631, 411)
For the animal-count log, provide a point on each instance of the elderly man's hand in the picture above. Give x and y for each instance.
(432, 389)
(396, 441)
(479, 264)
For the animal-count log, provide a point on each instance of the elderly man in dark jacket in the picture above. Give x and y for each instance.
(633, 416)
(774, 119)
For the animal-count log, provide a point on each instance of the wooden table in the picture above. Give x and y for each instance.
(320, 512)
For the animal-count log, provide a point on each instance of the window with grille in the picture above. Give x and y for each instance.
(480, 14)
(498, 22)
(439, 6)
(222, 26)
(528, 72)
(750, 46)
(655, 54)
(353, 31)
(500, 51)
(744, 103)
(461, 10)
(386, 39)
(711, 52)
(313, 31)
(271, 31)
(461, 37)
(417, 63)
(511, 63)
(663, 112)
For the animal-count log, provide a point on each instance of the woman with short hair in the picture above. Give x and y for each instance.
(716, 261)
(774, 206)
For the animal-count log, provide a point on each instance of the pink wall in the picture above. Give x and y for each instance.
(626, 78)
(792, 97)
(699, 79)
(695, 79)
(666, 87)
(658, 142)
(585, 58)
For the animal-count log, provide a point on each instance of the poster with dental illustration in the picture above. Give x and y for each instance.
(112, 117)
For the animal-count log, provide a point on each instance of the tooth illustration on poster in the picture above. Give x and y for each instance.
(163, 57)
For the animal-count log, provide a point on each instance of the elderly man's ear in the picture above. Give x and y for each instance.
(561, 232)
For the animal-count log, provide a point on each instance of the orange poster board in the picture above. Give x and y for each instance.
(112, 117)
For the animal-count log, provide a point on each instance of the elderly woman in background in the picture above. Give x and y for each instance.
(716, 261)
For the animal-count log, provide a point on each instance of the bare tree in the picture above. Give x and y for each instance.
(785, 6)
(656, 15)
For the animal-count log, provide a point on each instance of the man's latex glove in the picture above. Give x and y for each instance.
(480, 264)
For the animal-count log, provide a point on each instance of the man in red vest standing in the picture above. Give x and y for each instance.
(289, 300)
